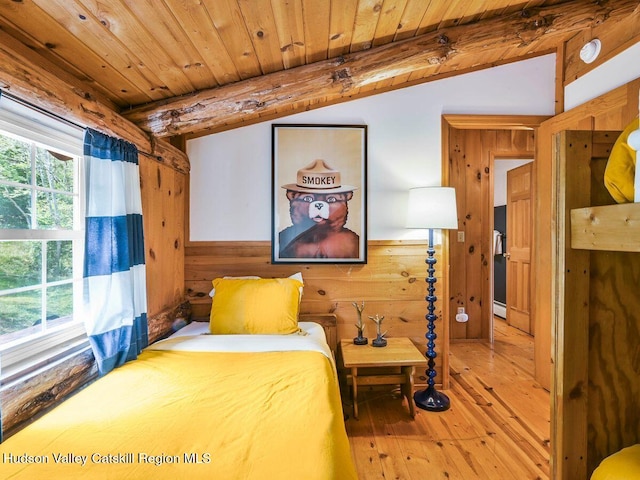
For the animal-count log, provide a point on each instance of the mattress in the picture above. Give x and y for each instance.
(198, 406)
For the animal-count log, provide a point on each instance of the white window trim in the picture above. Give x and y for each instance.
(19, 359)
(19, 119)
(22, 356)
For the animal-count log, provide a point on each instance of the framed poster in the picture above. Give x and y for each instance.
(319, 194)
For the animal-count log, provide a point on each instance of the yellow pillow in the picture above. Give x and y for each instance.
(619, 174)
(255, 306)
(624, 464)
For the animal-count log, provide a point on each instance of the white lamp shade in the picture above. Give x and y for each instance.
(432, 207)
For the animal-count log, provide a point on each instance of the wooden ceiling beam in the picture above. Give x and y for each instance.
(344, 75)
(33, 79)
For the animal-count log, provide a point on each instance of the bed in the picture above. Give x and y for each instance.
(198, 405)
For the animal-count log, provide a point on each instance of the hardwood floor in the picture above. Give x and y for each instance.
(497, 426)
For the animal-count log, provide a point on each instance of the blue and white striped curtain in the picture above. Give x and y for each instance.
(114, 269)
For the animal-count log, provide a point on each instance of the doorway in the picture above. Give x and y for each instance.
(512, 240)
(470, 145)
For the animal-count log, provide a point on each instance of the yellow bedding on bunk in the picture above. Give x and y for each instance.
(621, 465)
(176, 414)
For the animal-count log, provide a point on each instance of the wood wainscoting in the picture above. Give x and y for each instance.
(392, 283)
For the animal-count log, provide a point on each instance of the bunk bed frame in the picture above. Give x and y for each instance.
(596, 392)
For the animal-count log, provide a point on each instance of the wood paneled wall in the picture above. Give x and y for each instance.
(392, 283)
(163, 205)
(471, 154)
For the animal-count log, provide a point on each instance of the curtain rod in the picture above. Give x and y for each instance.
(4, 93)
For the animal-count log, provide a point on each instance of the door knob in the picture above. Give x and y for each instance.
(507, 256)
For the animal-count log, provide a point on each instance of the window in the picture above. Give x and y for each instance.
(41, 237)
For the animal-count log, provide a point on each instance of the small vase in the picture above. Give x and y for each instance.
(379, 341)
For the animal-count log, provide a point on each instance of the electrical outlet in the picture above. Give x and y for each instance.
(461, 236)
(461, 317)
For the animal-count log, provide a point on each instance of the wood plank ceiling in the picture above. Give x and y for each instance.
(154, 60)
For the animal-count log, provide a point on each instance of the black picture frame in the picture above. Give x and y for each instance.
(319, 193)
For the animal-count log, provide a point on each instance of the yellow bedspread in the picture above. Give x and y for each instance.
(190, 415)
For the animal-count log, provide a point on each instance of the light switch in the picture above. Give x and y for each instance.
(461, 236)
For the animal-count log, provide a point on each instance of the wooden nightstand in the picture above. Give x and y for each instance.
(399, 352)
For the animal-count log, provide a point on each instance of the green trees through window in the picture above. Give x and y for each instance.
(38, 196)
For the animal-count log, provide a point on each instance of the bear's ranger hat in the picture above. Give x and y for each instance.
(318, 177)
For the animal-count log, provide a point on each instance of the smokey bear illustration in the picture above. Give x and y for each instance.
(318, 207)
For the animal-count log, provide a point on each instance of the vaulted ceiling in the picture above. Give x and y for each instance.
(191, 67)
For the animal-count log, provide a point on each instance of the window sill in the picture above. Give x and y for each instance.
(17, 366)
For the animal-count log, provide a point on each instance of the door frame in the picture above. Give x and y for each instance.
(488, 122)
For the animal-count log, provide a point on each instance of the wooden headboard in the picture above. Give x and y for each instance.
(328, 322)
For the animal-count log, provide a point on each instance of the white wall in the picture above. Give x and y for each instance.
(231, 171)
(613, 73)
(500, 168)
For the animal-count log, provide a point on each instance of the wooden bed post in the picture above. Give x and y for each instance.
(571, 322)
(329, 322)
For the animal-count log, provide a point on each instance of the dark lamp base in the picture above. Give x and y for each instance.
(432, 400)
